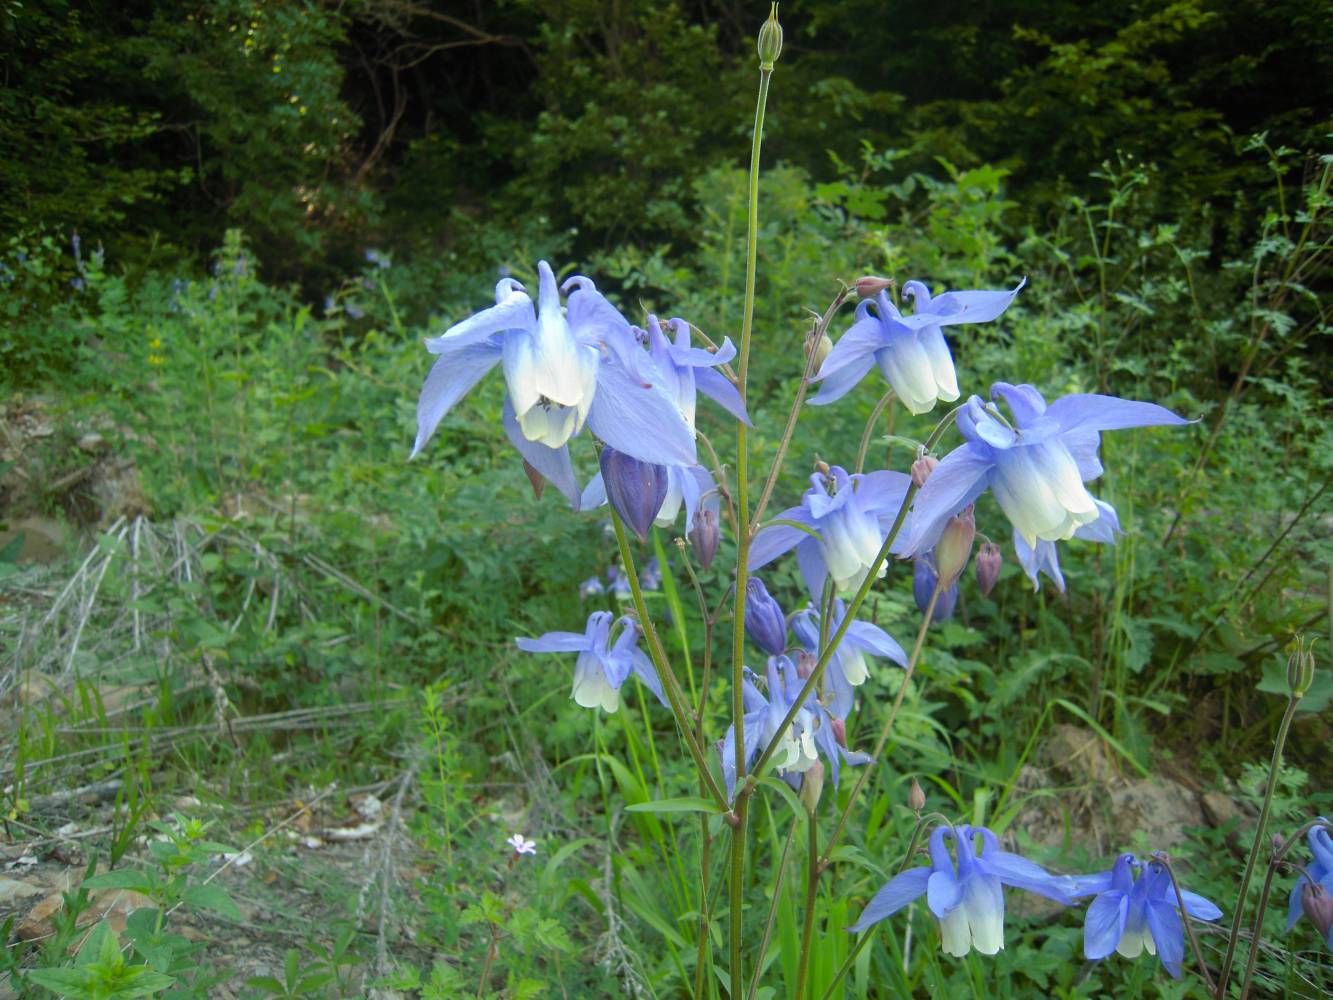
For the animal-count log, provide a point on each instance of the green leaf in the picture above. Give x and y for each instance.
(684, 804)
(121, 878)
(211, 897)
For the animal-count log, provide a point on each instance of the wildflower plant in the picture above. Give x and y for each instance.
(808, 692)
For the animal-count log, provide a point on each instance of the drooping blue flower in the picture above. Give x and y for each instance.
(1036, 467)
(764, 619)
(620, 585)
(589, 587)
(967, 898)
(850, 516)
(1132, 915)
(650, 577)
(1045, 556)
(602, 666)
(563, 368)
(924, 579)
(1320, 869)
(812, 730)
(910, 350)
(847, 667)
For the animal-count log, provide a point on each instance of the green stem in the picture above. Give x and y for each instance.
(772, 912)
(1234, 937)
(884, 401)
(664, 671)
(811, 891)
(743, 538)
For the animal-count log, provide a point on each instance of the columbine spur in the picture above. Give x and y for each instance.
(845, 518)
(563, 368)
(603, 666)
(1036, 466)
(1132, 915)
(910, 350)
(967, 899)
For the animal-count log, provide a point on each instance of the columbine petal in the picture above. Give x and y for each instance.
(639, 418)
(969, 306)
(943, 893)
(722, 391)
(512, 312)
(957, 481)
(983, 900)
(901, 890)
(553, 463)
(1168, 935)
(453, 375)
(852, 356)
(1089, 411)
(775, 539)
(554, 642)
(1104, 924)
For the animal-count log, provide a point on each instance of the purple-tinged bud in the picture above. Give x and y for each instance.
(1318, 906)
(770, 40)
(870, 285)
(805, 664)
(1276, 842)
(635, 489)
(764, 619)
(954, 548)
(704, 537)
(839, 732)
(1300, 667)
(922, 468)
(923, 586)
(812, 786)
(537, 480)
(916, 798)
(989, 560)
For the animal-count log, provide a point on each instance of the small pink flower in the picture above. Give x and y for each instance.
(521, 844)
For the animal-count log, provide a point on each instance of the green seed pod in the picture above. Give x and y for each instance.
(770, 40)
(1300, 666)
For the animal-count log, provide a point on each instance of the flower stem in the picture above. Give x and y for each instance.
(811, 891)
(1234, 937)
(772, 913)
(1185, 917)
(664, 671)
(884, 401)
(738, 831)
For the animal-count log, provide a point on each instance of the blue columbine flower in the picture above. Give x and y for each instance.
(850, 516)
(811, 732)
(563, 368)
(966, 899)
(764, 618)
(688, 370)
(1320, 869)
(910, 350)
(603, 666)
(620, 585)
(1045, 557)
(1132, 915)
(589, 587)
(650, 577)
(847, 668)
(1036, 467)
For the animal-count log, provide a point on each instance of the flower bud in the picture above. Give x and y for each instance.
(916, 798)
(820, 348)
(954, 548)
(870, 286)
(704, 537)
(989, 559)
(812, 785)
(764, 619)
(922, 468)
(1276, 843)
(635, 489)
(840, 732)
(1318, 906)
(1300, 666)
(805, 664)
(822, 467)
(770, 40)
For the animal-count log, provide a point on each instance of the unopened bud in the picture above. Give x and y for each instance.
(922, 468)
(822, 467)
(871, 285)
(634, 489)
(1276, 843)
(805, 664)
(704, 536)
(923, 586)
(954, 548)
(764, 619)
(989, 560)
(537, 480)
(1300, 666)
(820, 349)
(812, 786)
(1318, 906)
(916, 798)
(770, 40)
(840, 732)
